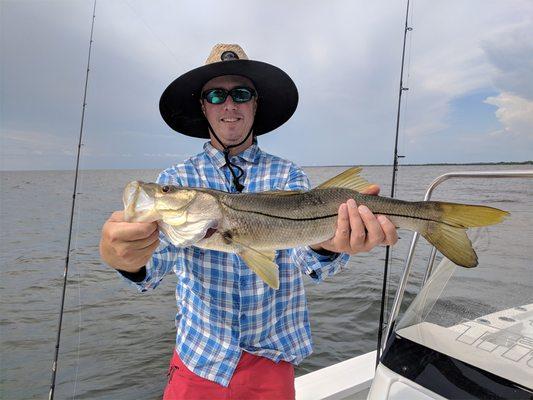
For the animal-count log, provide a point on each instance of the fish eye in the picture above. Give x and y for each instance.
(165, 189)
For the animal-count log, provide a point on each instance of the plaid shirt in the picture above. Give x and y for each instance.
(224, 307)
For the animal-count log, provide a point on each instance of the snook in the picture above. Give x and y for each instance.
(254, 225)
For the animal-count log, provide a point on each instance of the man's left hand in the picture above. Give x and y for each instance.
(359, 230)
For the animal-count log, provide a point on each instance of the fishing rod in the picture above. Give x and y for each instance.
(67, 257)
(396, 157)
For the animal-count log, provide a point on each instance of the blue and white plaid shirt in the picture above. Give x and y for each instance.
(224, 307)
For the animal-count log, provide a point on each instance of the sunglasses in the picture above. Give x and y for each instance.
(241, 94)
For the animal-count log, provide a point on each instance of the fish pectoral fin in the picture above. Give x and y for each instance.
(270, 254)
(262, 264)
(349, 179)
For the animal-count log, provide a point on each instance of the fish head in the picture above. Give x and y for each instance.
(147, 202)
(173, 201)
(139, 200)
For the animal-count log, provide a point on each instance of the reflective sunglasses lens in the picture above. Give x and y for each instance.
(241, 95)
(216, 96)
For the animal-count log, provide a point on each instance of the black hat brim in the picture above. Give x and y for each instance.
(277, 96)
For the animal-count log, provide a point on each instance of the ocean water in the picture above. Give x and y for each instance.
(116, 343)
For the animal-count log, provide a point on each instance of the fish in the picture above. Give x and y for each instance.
(256, 225)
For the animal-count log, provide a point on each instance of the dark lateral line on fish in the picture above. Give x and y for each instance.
(333, 215)
(280, 217)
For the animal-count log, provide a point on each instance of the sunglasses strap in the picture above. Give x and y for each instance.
(238, 186)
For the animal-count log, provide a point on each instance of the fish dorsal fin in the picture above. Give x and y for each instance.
(349, 179)
(262, 263)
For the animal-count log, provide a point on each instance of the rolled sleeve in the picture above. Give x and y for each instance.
(316, 266)
(133, 279)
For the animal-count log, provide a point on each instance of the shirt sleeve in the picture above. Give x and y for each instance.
(164, 257)
(311, 263)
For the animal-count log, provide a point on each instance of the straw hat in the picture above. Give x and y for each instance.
(277, 93)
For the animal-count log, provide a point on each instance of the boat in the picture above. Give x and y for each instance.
(488, 356)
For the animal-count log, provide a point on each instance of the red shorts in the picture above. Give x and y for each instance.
(255, 378)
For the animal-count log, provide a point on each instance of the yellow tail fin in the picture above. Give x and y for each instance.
(468, 216)
(448, 235)
(452, 242)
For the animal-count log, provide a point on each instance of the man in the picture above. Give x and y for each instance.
(236, 337)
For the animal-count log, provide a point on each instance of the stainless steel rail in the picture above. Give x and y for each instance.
(407, 269)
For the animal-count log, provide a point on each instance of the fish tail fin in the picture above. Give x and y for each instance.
(452, 242)
(448, 235)
(468, 216)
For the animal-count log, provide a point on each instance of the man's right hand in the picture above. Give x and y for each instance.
(128, 246)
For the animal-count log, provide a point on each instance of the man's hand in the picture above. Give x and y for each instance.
(359, 230)
(127, 245)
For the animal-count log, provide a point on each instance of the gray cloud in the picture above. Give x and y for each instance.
(510, 51)
(343, 55)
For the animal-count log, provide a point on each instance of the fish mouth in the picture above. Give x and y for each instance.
(139, 203)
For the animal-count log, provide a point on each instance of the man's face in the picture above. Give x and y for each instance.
(231, 121)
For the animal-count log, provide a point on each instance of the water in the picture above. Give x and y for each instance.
(116, 343)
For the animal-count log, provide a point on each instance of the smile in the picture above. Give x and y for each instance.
(230, 119)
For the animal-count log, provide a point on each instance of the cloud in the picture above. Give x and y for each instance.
(514, 112)
(176, 156)
(23, 143)
(510, 51)
(446, 62)
(344, 57)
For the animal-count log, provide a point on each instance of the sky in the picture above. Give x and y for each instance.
(468, 70)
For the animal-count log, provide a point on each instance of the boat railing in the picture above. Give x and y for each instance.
(408, 262)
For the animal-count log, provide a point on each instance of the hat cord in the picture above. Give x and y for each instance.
(238, 186)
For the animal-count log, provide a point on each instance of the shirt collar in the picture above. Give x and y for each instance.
(251, 154)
